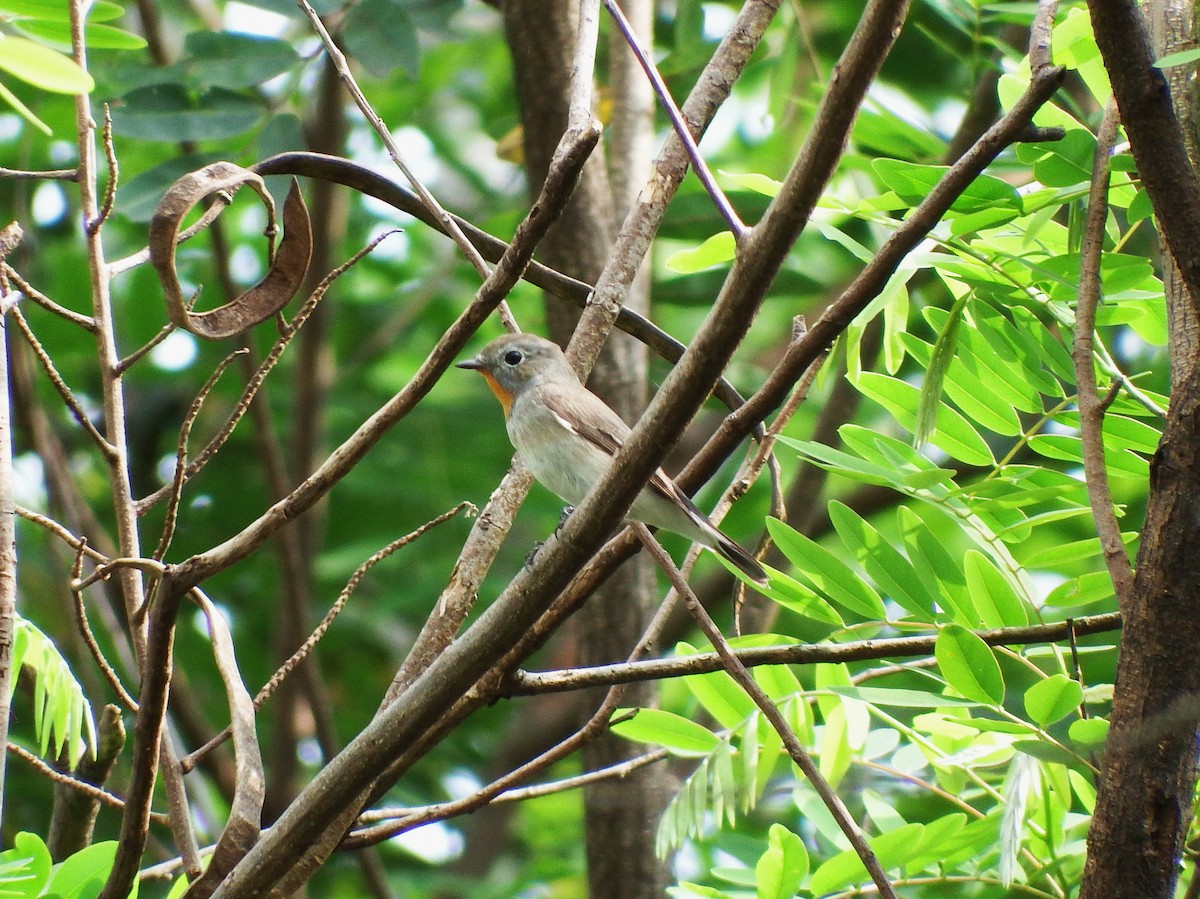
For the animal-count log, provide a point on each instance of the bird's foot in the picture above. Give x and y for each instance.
(532, 554)
(562, 519)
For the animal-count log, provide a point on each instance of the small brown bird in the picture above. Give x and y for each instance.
(567, 436)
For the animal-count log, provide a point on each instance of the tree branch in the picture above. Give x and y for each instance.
(1091, 408)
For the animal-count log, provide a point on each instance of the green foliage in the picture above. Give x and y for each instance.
(27, 872)
(955, 501)
(972, 426)
(62, 716)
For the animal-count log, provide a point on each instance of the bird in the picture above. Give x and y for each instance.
(567, 437)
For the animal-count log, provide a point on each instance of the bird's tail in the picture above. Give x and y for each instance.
(739, 558)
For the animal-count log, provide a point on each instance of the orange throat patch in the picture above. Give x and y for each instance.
(502, 395)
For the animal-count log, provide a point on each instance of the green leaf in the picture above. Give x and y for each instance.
(825, 572)
(23, 111)
(1178, 58)
(908, 699)
(953, 434)
(791, 594)
(1046, 752)
(716, 250)
(782, 868)
(62, 715)
(885, 564)
(51, 11)
(235, 61)
(96, 37)
(995, 598)
(892, 849)
(935, 373)
(25, 868)
(81, 875)
(43, 67)
(1089, 732)
(760, 184)
(169, 113)
(717, 693)
(673, 732)
(935, 564)
(834, 751)
(382, 36)
(1052, 699)
(969, 665)
(913, 183)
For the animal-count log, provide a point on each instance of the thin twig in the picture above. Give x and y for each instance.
(724, 207)
(599, 722)
(385, 135)
(46, 175)
(114, 173)
(736, 670)
(63, 533)
(287, 333)
(185, 430)
(524, 683)
(190, 761)
(1091, 409)
(89, 638)
(84, 321)
(68, 397)
(102, 572)
(390, 822)
(163, 333)
(100, 795)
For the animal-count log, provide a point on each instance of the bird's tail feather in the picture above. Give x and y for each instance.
(740, 559)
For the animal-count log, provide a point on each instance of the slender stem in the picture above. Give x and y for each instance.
(1091, 407)
(9, 238)
(736, 225)
(734, 667)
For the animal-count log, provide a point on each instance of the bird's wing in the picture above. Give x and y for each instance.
(587, 415)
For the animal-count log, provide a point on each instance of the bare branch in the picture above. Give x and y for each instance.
(46, 175)
(770, 710)
(288, 332)
(682, 132)
(526, 682)
(89, 638)
(185, 430)
(189, 762)
(84, 321)
(114, 173)
(102, 796)
(10, 237)
(60, 385)
(1091, 408)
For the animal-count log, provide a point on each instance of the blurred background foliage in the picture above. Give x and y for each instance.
(241, 81)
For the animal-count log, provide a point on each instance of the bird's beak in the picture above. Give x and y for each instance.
(471, 364)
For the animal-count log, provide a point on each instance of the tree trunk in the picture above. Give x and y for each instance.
(1145, 800)
(621, 815)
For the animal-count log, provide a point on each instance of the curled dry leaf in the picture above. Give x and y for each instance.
(263, 300)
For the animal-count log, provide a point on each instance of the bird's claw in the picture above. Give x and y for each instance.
(532, 554)
(562, 519)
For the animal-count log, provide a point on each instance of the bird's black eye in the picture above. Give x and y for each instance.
(512, 357)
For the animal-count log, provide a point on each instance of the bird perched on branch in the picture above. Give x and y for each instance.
(567, 437)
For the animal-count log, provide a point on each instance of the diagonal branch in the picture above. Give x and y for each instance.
(736, 670)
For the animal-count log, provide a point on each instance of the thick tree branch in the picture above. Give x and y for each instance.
(1155, 134)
